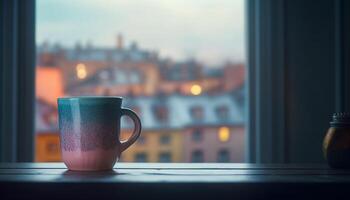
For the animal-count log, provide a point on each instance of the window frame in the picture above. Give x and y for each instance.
(195, 154)
(262, 67)
(17, 68)
(219, 156)
(266, 35)
(197, 135)
(284, 109)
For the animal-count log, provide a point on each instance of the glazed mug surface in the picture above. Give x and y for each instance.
(90, 130)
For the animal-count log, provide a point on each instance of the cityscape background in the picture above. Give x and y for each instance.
(191, 105)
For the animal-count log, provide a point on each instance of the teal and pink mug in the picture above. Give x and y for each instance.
(90, 130)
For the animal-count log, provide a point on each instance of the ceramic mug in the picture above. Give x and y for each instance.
(90, 130)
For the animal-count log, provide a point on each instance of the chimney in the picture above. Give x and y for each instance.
(120, 41)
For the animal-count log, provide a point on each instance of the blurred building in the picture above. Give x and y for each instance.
(92, 70)
(176, 128)
(189, 112)
(179, 128)
(123, 70)
(122, 79)
(49, 83)
(47, 146)
(48, 86)
(157, 145)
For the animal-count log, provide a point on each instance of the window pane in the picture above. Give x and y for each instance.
(197, 156)
(223, 156)
(140, 157)
(197, 135)
(165, 139)
(180, 65)
(165, 157)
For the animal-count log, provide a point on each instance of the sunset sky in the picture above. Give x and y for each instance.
(212, 31)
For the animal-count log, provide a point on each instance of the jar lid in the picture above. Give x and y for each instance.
(341, 119)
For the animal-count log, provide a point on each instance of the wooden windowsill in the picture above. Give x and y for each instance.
(134, 180)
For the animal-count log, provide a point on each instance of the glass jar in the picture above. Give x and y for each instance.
(336, 144)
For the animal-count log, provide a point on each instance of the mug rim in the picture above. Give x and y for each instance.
(90, 99)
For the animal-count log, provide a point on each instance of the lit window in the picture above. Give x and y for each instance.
(164, 139)
(197, 135)
(224, 134)
(196, 89)
(197, 156)
(165, 157)
(223, 156)
(140, 157)
(81, 71)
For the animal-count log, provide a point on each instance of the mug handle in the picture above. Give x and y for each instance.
(137, 129)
